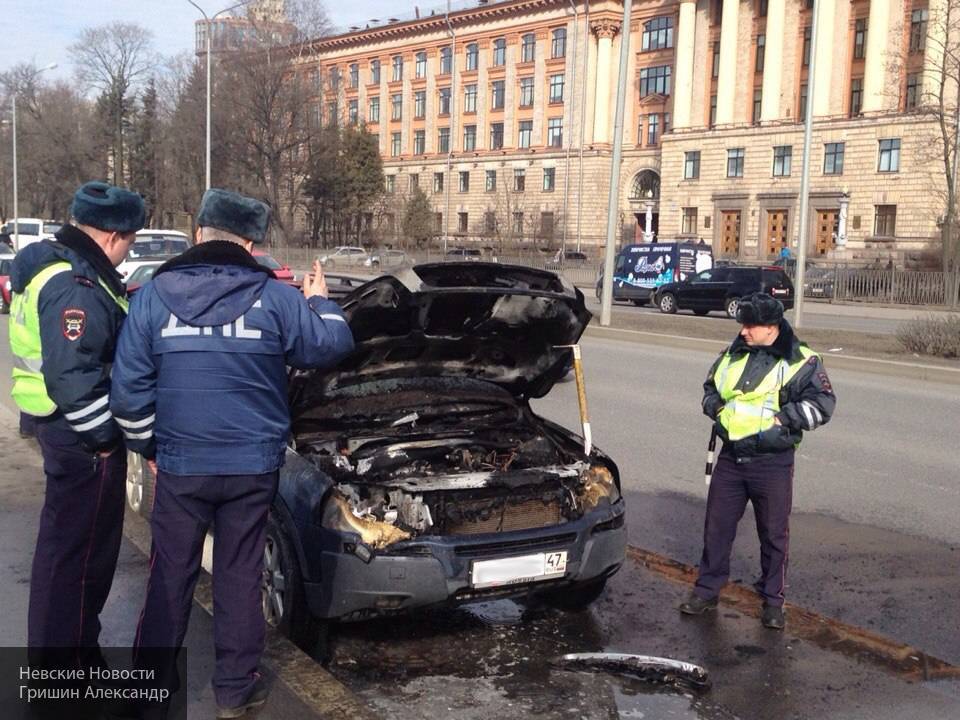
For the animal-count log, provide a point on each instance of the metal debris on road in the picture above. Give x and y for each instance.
(645, 667)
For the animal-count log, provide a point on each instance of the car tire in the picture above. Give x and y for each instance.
(700, 311)
(667, 303)
(575, 598)
(730, 307)
(284, 602)
(141, 485)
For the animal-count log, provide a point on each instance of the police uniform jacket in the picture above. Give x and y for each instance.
(201, 367)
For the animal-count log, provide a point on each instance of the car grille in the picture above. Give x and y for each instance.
(471, 518)
(509, 547)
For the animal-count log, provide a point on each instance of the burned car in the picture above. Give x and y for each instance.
(417, 472)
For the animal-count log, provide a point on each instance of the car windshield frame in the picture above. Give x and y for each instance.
(266, 259)
(165, 241)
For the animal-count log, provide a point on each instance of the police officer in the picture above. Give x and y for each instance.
(68, 306)
(763, 392)
(202, 363)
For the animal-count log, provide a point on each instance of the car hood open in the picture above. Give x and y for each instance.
(503, 324)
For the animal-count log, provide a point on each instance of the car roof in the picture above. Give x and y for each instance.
(155, 232)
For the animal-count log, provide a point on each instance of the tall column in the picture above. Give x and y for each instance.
(604, 30)
(825, 56)
(878, 38)
(683, 91)
(933, 72)
(727, 82)
(773, 61)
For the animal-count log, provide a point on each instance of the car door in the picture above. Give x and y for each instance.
(700, 291)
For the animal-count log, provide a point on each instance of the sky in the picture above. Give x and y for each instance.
(41, 31)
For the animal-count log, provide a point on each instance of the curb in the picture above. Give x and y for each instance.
(895, 368)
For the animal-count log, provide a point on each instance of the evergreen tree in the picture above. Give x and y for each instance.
(417, 224)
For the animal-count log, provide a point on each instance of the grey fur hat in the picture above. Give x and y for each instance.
(235, 213)
(107, 207)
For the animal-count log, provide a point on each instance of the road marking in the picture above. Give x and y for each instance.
(904, 661)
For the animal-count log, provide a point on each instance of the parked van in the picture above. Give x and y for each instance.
(641, 269)
(31, 230)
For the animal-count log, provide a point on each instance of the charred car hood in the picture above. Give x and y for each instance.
(484, 321)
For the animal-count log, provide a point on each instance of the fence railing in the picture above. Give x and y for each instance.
(897, 287)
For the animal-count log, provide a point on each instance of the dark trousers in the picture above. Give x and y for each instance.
(767, 482)
(81, 525)
(184, 508)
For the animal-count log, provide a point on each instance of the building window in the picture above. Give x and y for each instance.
(419, 142)
(469, 137)
(913, 91)
(496, 95)
(546, 224)
(918, 30)
(856, 96)
(374, 72)
(762, 10)
(860, 39)
(464, 181)
(396, 106)
(469, 98)
(519, 179)
(802, 112)
(889, 160)
(333, 112)
(657, 34)
(691, 165)
(438, 222)
(394, 144)
(555, 132)
(715, 69)
(443, 140)
(833, 158)
(397, 68)
(653, 130)
(525, 134)
(526, 92)
(761, 53)
(666, 123)
(688, 221)
(735, 162)
(353, 111)
(806, 46)
(390, 184)
(556, 88)
(438, 182)
(489, 222)
(558, 44)
(414, 181)
(444, 104)
(354, 76)
(420, 104)
(518, 223)
(757, 105)
(334, 76)
(463, 220)
(496, 136)
(473, 56)
(655, 81)
(374, 113)
(885, 221)
(446, 60)
(314, 80)
(782, 160)
(549, 179)
(490, 181)
(527, 47)
(713, 110)
(499, 52)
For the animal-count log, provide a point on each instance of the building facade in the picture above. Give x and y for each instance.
(503, 114)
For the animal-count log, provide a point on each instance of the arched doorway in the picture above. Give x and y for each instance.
(645, 203)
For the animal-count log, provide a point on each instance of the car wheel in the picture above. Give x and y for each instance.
(141, 485)
(668, 303)
(700, 311)
(284, 603)
(576, 598)
(731, 307)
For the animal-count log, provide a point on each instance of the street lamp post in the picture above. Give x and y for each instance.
(16, 207)
(209, 21)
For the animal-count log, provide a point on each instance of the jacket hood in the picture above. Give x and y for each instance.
(786, 346)
(73, 246)
(213, 283)
(498, 323)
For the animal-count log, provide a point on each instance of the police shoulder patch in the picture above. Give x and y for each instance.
(74, 323)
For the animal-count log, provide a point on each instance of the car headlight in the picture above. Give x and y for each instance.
(598, 487)
(337, 515)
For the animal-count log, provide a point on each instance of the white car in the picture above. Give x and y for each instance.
(153, 245)
(30, 230)
(345, 255)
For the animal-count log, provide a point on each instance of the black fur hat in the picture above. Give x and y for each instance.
(759, 309)
(236, 214)
(109, 208)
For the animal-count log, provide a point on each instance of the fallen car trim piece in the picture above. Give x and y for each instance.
(646, 667)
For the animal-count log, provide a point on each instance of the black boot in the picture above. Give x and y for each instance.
(696, 605)
(772, 617)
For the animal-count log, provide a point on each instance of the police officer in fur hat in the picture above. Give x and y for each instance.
(67, 309)
(762, 393)
(201, 372)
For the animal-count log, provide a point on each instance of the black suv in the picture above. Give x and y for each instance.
(721, 289)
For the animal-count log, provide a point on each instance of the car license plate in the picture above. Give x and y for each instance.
(780, 291)
(515, 570)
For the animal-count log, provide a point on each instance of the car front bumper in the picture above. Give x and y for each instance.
(436, 569)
